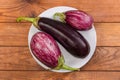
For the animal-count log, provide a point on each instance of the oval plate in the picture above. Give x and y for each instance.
(70, 60)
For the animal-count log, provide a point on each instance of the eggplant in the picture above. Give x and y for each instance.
(68, 37)
(46, 50)
(78, 19)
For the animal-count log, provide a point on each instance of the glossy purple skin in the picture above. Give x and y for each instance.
(79, 19)
(45, 48)
(68, 37)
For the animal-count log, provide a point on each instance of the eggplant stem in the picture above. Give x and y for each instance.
(32, 20)
(60, 62)
(61, 16)
(66, 67)
(61, 65)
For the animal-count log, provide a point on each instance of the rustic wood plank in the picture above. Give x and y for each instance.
(108, 34)
(41, 75)
(15, 34)
(19, 58)
(102, 11)
(10, 10)
(105, 58)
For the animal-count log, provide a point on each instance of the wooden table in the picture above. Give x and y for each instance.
(16, 62)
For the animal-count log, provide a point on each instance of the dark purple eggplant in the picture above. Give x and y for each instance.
(68, 37)
(79, 20)
(46, 50)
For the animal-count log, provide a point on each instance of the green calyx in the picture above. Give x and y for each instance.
(32, 20)
(61, 16)
(61, 65)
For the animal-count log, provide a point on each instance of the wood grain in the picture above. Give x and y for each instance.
(108, 34)
(19, 58)
(13, 34)
(16, 34)
(40, 75)
(101, 10)
(105, 58)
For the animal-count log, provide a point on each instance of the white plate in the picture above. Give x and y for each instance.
(70, 60)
